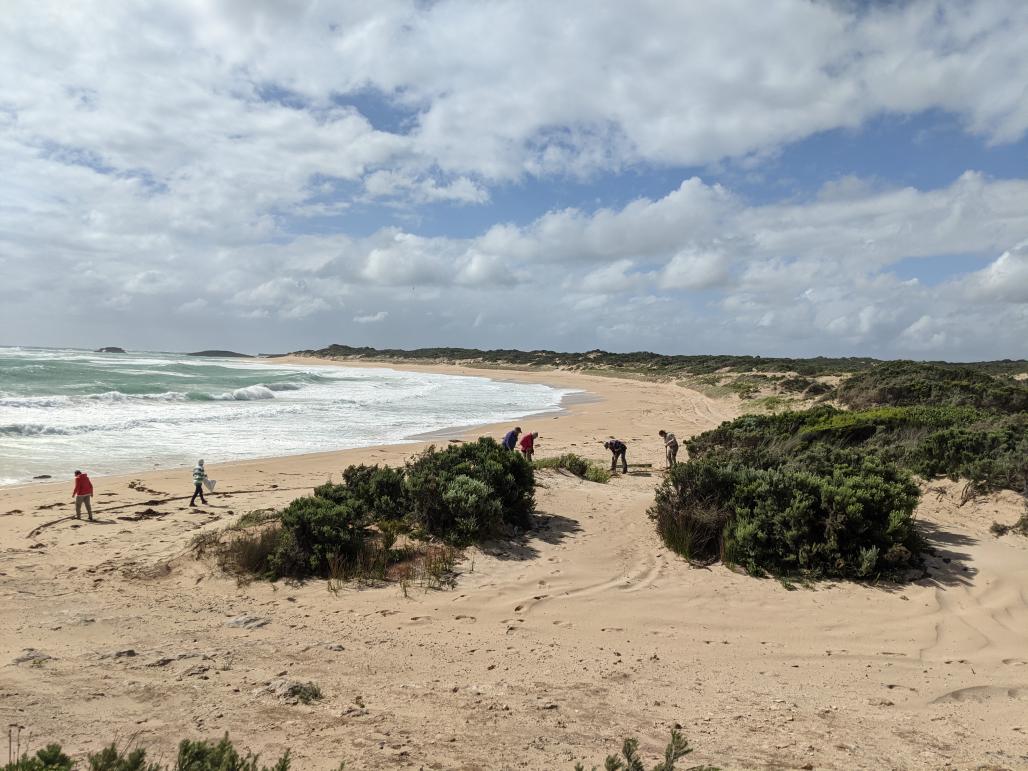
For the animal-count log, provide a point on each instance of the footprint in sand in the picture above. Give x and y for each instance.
(1015, 662)
(472, 619)
(983, 693)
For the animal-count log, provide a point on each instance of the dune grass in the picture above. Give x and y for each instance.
(575, 464)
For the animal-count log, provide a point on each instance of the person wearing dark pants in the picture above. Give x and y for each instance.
(199, 475)
(670, 447)
(618, 449)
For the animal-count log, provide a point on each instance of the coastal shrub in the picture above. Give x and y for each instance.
(438, 498)
(250, 552)
(817, 388)
(315, 533)
(49, 758)
(193, 755)
(378, 490)
(691, 509)
(907, 383)
(845, 522)
(473, 508)
(796, 385)
(989, 449)
(575, 464)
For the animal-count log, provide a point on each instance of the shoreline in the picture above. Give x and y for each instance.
(567, 400)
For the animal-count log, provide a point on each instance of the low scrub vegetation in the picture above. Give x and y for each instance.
(453, 497)
(1020, 526)
(838, 514)
(990, 449)
(192, 756)
(629, 759)
(643, 362)
(907, 383)
(829, 492)
(577, 465)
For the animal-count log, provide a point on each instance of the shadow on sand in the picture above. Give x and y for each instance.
(946, 561)
(547, 528)
(946, 564)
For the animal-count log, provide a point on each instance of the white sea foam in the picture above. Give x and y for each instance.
(113, 413)
(248, 394)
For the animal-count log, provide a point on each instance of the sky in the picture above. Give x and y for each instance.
(788, 177)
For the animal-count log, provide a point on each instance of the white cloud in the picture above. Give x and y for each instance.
(372, 318)
(224, 159)
(1004, 280)
(690, 269)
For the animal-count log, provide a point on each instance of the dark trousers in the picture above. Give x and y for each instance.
(614, 460)
(196, 492)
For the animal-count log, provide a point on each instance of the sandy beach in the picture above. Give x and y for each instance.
(550, 649)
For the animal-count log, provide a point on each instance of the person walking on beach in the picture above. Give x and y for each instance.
(510, 439)
(618, 449)
(83, 495)
(670, 447)
(528, 444)
(199, 476)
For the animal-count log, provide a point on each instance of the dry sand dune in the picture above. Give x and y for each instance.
(550, 649)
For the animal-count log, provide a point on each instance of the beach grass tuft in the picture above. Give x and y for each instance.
(575, 464)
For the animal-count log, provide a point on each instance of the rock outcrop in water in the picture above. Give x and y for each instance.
(110, 349)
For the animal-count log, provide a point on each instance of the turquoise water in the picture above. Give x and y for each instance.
(112, 413)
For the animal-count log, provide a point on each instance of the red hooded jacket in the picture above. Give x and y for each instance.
(82, 485)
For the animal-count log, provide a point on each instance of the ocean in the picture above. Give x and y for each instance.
(108, 413)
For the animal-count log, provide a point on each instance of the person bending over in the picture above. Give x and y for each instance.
(670, 447)
(528, 444)
(618, 449)
(83, 495)
(510, 439)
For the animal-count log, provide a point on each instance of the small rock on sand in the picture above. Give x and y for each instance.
(30, 655)
(124, 654)
(248, 622)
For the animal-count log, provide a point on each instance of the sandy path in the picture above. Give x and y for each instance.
(548, 650)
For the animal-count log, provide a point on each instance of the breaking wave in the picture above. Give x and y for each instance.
(31, 429)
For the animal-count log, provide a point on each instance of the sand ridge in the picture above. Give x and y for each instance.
(550, 649)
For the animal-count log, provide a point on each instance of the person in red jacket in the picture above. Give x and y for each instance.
(83, 494)
(528, 444)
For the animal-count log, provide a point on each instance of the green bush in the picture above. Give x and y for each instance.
(50, 758)
(907, 383)
(429, 480)
(378, 490)
(199, 755)
(474, 509)
(317, 533)
(843, 518)
(989, 449)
